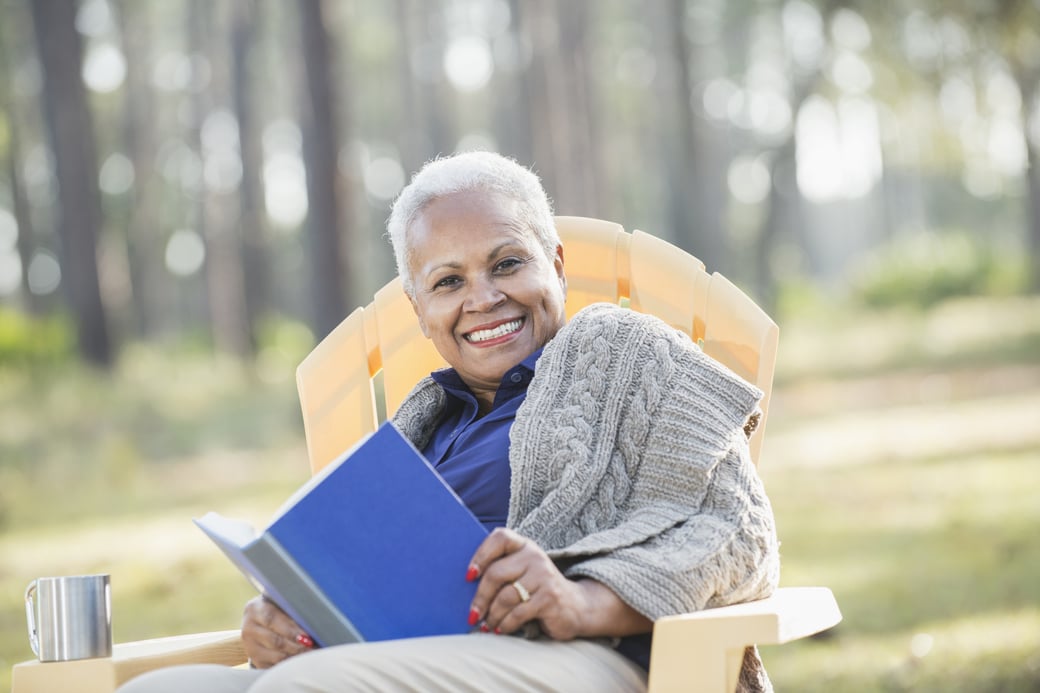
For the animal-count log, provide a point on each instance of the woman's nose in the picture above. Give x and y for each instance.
(483, 296)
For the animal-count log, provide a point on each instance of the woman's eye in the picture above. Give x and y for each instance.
(447, 282)
(508, 264)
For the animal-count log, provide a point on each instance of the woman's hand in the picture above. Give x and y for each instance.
(511, 568)
(269, 635)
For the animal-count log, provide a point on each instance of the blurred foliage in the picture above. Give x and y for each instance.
(803, 130)
(110, 437)
(288, 339)
(959, 333)
(923, 269)
(26, 340)
(802, 298)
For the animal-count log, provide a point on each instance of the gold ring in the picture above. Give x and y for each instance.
(522, 591)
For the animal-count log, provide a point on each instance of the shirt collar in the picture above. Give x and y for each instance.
(517, 376)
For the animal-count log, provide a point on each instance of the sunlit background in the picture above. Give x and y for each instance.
(193, 192)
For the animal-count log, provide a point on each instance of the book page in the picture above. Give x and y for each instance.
(238, 533)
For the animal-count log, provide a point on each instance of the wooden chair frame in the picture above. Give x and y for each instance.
(341, 402)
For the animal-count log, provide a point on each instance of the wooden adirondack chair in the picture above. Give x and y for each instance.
(362, 371)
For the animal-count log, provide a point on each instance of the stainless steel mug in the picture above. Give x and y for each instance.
(70, 617)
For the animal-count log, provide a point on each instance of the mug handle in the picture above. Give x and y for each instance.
(30, 618)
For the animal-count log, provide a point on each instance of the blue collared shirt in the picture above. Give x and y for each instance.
(471, 453)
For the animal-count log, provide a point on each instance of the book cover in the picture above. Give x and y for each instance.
(375, 547)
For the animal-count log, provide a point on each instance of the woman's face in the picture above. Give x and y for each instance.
(485, 292)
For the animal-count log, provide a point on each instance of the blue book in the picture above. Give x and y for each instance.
(374, 547)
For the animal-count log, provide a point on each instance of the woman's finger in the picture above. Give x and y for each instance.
(553, 600)
(281, 623)
(505, 599)
(269, 635)
(506, 557)
(509, 609)
(501, 542)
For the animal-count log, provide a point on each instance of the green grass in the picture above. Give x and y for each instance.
(943, 550)
(102, 474)
(903, 462)
(902, 456)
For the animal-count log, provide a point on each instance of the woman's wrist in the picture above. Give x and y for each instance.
(604, 614)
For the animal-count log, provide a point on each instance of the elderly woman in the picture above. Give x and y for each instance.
(608, 454)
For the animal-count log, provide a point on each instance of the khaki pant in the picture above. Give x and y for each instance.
(477, 662)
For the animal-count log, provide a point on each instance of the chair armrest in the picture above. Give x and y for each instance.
(104, 675)
(703, 651)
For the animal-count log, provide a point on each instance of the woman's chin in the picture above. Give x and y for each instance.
(495, 361)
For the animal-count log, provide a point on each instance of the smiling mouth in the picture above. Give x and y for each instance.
(478, 336)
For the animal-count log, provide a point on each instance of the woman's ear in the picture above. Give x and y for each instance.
(558, 266)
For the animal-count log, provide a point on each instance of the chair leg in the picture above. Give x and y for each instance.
(677, 667)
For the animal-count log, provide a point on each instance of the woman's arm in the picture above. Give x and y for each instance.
(605, 613)
(723, 553)
(520, 583)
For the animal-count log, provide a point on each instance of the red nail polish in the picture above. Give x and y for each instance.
(498, 631)
(474, 616)
(484, 628)
(305, 640)
(472, 573)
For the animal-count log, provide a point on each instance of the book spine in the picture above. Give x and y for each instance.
(298, 595)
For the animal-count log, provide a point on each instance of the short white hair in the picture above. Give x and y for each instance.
(468, 172)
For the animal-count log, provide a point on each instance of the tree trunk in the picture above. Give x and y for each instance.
(253, 231)
(1013, 17)
(1029, 97)
(320, 150)
(512, 114)
(784, 204)
(582, 164)
(785, 209)
(414, 142)
(19, 203)
(675, 132)
(427, 125)
(75, 159)
(22, 216)
(217, 212)
(561, 104)
(695, 176)
(436, 97)
(538, 26)
(25, 241)
(150, 284)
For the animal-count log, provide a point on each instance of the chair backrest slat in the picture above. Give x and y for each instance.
(665, 281)
(335, 388)
(406, 354)
(595, 256)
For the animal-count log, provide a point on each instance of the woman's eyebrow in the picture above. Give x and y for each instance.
(451, 265)
(498, 248)
(455, 264)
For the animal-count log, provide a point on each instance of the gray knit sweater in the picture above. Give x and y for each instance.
(630, 465)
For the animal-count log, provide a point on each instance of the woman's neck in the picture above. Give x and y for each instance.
(485, 401)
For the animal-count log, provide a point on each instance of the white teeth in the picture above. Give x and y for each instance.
(502, 330)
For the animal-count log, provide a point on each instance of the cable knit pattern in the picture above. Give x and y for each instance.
(630, 466)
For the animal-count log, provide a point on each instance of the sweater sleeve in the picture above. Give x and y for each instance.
(725, 552)
(631, 467)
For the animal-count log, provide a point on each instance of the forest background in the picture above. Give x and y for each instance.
(193, 193)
